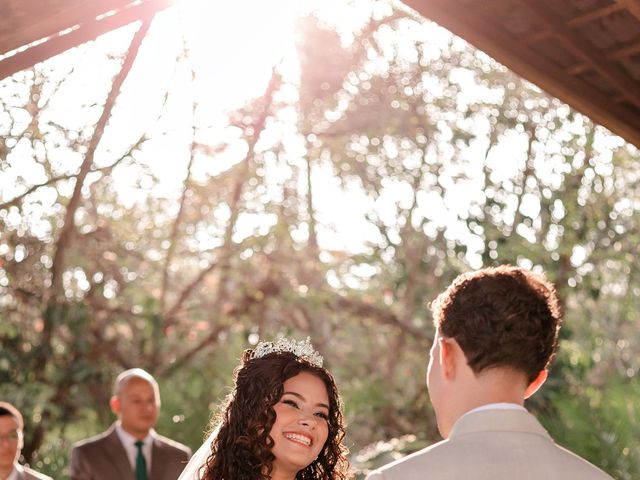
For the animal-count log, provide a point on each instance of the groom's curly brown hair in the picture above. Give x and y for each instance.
(501, 317)
(241, 450)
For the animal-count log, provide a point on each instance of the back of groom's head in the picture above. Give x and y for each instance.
(501, 317)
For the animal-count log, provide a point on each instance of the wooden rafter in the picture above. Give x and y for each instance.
(37, 24)
(595, 14)
(617, 54)
(39, 27)
(489, 36)
(488, 6)
(89, 30)
(624, 52)
(574, 22)
(578, 69)
(607, 69)
(632, 5)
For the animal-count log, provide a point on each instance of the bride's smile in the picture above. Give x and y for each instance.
(300, 429)
(298, 438)
(282, 421)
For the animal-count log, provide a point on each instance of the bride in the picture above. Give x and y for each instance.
(282, 421)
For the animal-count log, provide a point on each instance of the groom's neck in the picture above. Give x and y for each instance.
(494, 385)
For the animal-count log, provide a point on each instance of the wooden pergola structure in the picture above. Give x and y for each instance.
(584, 52)
(33, 30)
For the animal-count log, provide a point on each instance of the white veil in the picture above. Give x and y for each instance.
(192, 470)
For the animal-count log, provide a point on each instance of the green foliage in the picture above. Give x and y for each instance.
(601, 424)
(191, 398)
(441, 159)
(383, 452)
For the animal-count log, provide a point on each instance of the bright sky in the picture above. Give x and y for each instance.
(234, 53)
(233, 47)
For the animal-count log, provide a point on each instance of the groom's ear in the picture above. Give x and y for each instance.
(536, 384)
(448, 360)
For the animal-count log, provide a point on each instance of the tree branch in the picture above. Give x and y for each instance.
(173, 237)
(53, 308)
(15, 200)
(222, 263)
(210, 339)
(363, 309)
(52, 181)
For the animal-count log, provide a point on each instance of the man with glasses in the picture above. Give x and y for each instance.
(11, 425)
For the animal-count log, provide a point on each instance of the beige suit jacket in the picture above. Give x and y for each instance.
(25, 473)
(104, 458)
(493, 445)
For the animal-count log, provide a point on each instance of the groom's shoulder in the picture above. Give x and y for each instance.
(414, 466)
(580, 467)
(459, 459)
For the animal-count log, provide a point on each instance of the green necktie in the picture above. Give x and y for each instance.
(141, 463)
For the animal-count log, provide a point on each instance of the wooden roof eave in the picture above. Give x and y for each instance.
(89, 30)
(536, 69)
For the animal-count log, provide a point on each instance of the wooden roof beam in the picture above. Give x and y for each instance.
(574, 22)
(486, 6)
(577, 69)
(536, 37)
(86, 32)
(594, 14)
(624, 52)
(522, 60)
(41, 26)
(606, 68)
(618, 54)
(632, 5)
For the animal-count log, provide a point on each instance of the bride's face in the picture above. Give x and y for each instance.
(301, 426)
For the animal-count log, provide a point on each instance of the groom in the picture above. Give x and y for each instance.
(130, 449)
(496, 333)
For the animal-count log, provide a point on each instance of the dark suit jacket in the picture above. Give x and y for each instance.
(493, 445)
(25, 473)
(103, 457)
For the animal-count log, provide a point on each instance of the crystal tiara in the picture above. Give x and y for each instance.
(302, 349)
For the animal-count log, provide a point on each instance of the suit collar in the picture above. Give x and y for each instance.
(17, 472)
(497, 421)
(126, 436)
(116, 453)
(158, 464)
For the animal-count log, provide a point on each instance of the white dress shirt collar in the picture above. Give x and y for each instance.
(129, 443)
(14, 473)
(495, 406)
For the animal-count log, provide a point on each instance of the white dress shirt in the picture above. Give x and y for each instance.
(495, 406)
(14, 473)
(129, 443)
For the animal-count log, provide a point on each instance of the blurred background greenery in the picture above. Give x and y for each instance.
(380, 158)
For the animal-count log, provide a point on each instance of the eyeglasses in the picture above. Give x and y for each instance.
(11, 437)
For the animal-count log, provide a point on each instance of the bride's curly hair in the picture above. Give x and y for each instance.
(241, 450)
